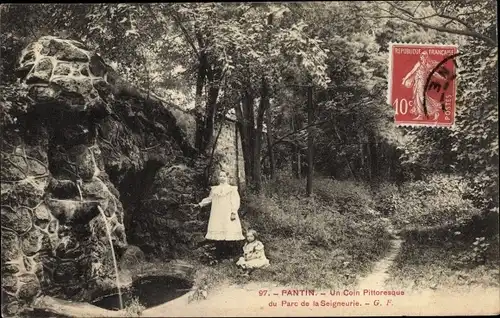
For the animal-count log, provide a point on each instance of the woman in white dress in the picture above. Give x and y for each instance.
(224, 223)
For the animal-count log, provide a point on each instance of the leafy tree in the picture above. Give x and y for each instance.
(259, 58)
(470, 148)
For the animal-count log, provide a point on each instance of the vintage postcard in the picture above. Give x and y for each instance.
(249, 159)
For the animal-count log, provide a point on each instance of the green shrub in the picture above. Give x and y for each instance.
(477, 252)
(134, 308)
(348, 197)
(436, 201)
(284, 185)
(385, 198)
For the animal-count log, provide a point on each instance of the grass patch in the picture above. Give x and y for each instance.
(209, 277)
(448, 241)
(449, 257)
(134, 308)
(325, 241)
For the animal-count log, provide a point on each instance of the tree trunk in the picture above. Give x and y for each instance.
(243, 115)
(257, 172)
(211, 110)
(211, 107)
(242, 129)
(200, 83)
(272, 160)
(208, 172)
(368, 160)
(236, 141)
(250, 116)
(361, 154)
(373, 154)
(294, 160)
(299, 164)
(310, 141)
(200, 79)
(334, 166)
(297, 154)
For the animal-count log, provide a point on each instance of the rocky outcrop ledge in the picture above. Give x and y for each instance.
(85, 142)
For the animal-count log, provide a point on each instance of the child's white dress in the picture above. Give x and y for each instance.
(225, 200)
(253, 256)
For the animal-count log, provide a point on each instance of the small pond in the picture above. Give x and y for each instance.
(149, 291)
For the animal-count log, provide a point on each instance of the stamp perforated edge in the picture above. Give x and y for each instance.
(389, 84)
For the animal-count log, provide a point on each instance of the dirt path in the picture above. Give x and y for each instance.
(376, 279)
(249, 300)
(244, 301)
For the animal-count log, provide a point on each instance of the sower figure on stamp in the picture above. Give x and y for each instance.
(224, 226)
(417, 78)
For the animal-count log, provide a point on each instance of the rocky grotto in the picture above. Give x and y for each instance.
(80, 140)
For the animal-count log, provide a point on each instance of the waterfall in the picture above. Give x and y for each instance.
(108, 231)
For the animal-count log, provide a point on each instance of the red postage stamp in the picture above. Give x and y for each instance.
(422, 84)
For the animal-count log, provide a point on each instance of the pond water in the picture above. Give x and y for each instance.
(149, 291)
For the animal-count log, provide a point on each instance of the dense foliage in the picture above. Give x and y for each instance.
(435, 201)
(256, 61)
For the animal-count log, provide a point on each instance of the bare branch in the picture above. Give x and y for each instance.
(468, 26)
(381, 17)
(282, 138)
(447, 23)
(470, 33)
(400, 9)
(426, 17)
(178, 22)
(443, 28)
(416, 8)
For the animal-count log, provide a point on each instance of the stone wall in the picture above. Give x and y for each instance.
(64, 160)
(230, 154)
(57, 199)
(89, 151)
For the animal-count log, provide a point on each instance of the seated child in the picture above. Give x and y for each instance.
(253, 253)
